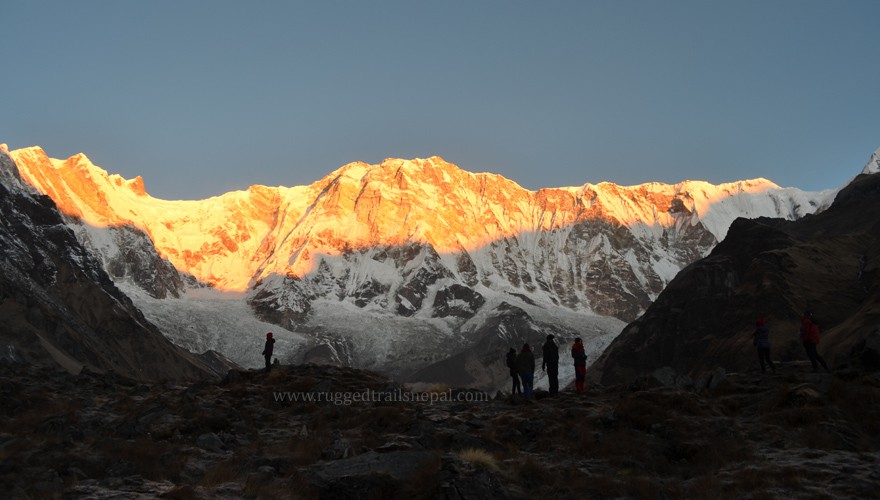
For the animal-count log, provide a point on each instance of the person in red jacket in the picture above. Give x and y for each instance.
(810, 337)
(580, 364)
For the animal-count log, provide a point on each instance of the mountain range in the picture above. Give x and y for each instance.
(681, 411)
(412, 267)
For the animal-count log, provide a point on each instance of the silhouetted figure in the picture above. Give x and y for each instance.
(550, 364)
(863, 259)
(810, 335)
(762, 342)
(514, 373)
(267, 351)
(525, 365)
(580, 364)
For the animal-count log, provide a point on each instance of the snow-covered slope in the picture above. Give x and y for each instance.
(418, 244)
(873, 165)
(58, 305)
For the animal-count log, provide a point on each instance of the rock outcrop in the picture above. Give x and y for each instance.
(768, 268)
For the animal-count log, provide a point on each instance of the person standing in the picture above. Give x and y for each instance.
(514, 373)
(580, 364)
(525, 365)
(267, 351)
(762, 342)
(810, 334)
(550, 363)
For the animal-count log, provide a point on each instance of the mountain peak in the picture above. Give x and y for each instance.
(873, 165)
(137, 186)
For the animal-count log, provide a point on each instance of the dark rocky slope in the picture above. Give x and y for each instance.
(775, 269)
(58, 306)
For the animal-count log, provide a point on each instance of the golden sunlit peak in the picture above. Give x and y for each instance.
(137, 186)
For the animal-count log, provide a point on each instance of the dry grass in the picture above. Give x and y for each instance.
(788, 476)
(860, 403)
(752, 479)
(707, 487)
(641, 487)
(480, 458)
(438, 389)
(761, 478)
(813, 436)
(533, 474)
(293, 488)
(641, 411)
(30, 419)
(209, 422)
(307, 452)
(155, 460)
(615, 484)
(223, 472)
(185, 492)
(424, 482)
(377, 419)
(275, 377)
(298, 451)
(721, 452)
(628, 448)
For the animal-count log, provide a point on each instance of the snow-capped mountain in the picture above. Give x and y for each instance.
(873, 165)
(397, 265)
(59, 307)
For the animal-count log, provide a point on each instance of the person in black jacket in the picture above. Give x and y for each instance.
(580, 364)
(514, 374)
(267, 351)
(551, 363)
(762, 342)
(525, 365)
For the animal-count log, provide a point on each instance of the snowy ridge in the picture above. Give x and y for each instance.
(233, 240)
(873, 165)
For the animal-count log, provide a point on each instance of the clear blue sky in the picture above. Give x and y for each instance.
(205, 97)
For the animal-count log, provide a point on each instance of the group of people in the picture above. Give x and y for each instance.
(809, 334)
(522, 366)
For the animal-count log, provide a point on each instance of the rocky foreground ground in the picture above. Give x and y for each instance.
(794, 434)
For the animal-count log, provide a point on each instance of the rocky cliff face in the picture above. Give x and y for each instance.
(827, 263)
(58, 305)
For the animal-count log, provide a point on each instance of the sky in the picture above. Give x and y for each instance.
(205, 97)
